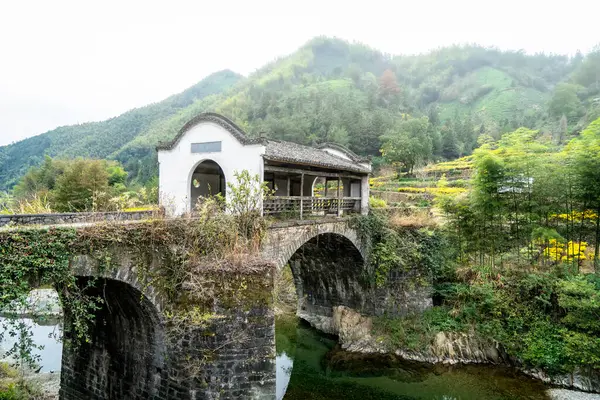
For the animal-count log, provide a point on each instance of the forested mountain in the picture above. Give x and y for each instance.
(107, 139)
(331, 90)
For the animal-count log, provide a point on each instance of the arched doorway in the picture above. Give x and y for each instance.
(207, 180)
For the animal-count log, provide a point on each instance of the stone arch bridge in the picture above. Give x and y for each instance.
(138, 351)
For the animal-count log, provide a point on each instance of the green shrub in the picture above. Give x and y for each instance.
(582, 349)
(377, 203)
(544, 347)
(581, 299)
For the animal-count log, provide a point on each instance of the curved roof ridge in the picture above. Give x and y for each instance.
(352, 155)
(218, 119)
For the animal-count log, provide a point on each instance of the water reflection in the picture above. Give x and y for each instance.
(322, 371)
(284, 373)
(46, 334)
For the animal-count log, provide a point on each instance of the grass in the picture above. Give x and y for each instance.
(6, 371)
(416, 332)
(141, 208)
(432, 190)
(416, 218)
(463, 163)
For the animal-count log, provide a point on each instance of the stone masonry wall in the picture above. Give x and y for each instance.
(215, 341)
(72, 218)
(330, 266)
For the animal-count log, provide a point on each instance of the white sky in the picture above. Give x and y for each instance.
(65, 62)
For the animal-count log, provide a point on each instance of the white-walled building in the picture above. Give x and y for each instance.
(203, 157)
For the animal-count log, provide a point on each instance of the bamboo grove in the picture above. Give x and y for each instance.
(532, 203)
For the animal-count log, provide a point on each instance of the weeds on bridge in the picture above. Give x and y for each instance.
(184, 261)
(397, 248)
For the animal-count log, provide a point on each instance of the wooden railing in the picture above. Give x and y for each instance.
(296, 206)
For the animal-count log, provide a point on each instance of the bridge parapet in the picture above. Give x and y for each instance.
(73, 218)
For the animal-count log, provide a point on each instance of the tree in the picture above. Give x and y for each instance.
(585, 152)
(83, 186)
(408, 143)
(339, 135)
(6, 201)
(116, 174)
(486, 202)
(388, 84)
(467, 135)
(562, 128)
(39, 180)
(389, 91)
(565, 101)
(450, 145)
(588, 72)
(244, 200)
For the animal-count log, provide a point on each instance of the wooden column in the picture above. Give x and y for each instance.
(339, 198)
(326, 188)
(301, 194)
(289, 192)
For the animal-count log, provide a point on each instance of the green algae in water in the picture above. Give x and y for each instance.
(322, 371)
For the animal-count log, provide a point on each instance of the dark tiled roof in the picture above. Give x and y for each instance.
(218, 119)
(298, 154)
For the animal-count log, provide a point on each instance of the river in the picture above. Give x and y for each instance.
(311, 366)
(45, 335)
(321, 371)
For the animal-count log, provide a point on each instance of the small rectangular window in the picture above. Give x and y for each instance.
(206, 147)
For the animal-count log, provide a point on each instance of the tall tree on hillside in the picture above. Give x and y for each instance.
(466, 135)
(388, 84)
(389, 91)
(565, 101)
(450, 145)
(408, 144)
(588, 72)
(562, 128)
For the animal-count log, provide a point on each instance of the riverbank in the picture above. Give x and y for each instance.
(43, 315)
(355, 334)
(322, 370)
(27, 384)
(39, 304)
(565, 394)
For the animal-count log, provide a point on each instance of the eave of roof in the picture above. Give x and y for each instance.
(293, 153)
(218, 119)
(343, 149)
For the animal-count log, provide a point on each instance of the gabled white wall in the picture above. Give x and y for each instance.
(177, 165)
(340, 154)
(336, 153)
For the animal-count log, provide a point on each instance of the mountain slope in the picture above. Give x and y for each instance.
(332, 90)
(103, 139)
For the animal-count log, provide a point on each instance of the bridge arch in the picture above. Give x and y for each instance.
(125, 356)
(328, 264)
(285, 240)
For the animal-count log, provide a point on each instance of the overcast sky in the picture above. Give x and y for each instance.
(66, 62)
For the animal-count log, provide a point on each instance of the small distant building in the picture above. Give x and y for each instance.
(202, 159)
